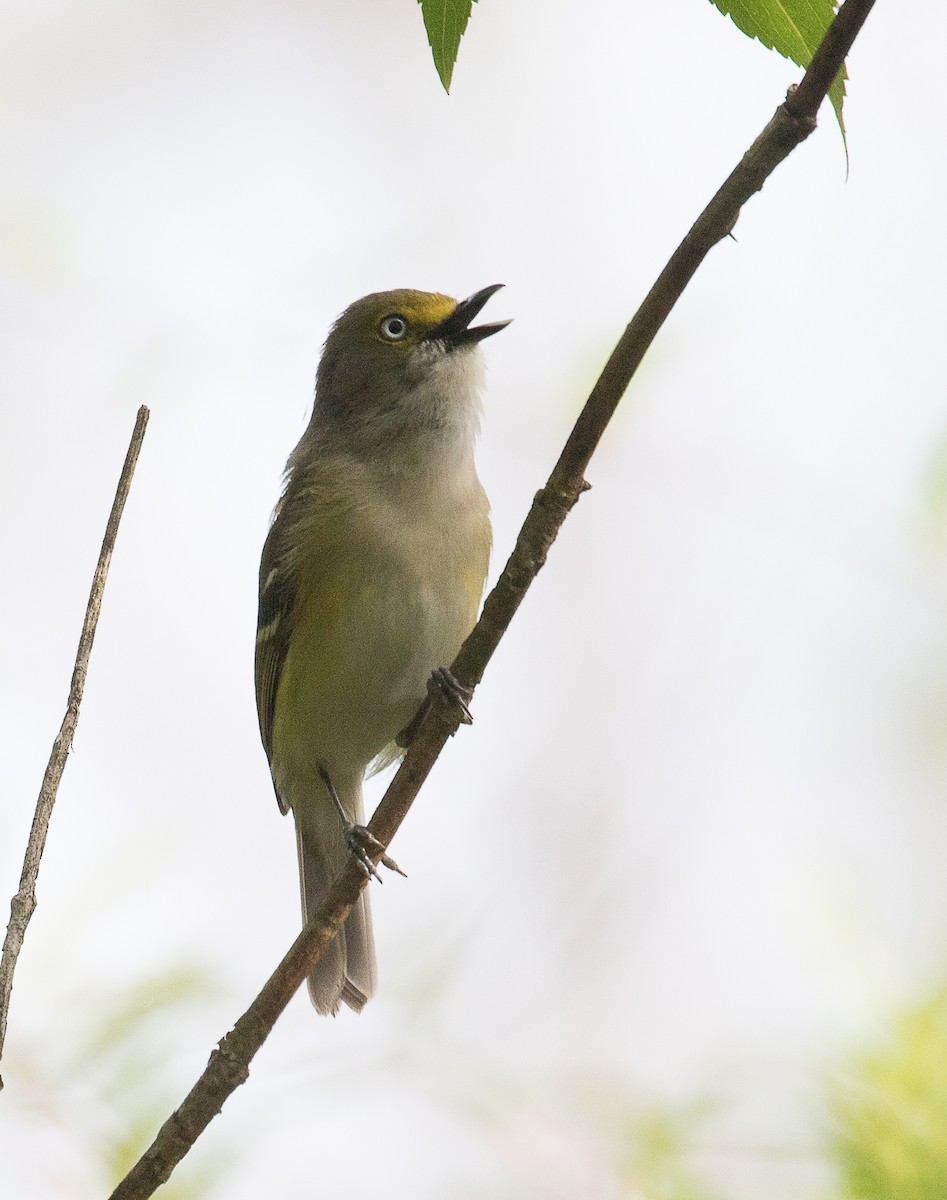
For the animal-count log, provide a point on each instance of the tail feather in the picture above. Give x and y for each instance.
(346, 972)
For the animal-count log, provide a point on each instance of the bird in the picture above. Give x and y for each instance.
(371, 577)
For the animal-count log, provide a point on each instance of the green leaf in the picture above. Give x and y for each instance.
(445, 22)
(793, 28)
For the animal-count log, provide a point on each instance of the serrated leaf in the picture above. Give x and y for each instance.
(793, 28)
(445, 22)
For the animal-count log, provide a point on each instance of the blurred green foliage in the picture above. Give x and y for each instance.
(126, 1051)
(934, 498)
(110, 1073)
(890, 1110)
(658, 1149)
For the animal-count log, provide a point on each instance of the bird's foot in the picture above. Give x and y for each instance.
(362, 843)
(364, 847)
(445, 690)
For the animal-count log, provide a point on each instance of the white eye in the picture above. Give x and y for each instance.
(394, 327)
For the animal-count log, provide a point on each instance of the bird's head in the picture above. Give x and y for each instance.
(402, 360)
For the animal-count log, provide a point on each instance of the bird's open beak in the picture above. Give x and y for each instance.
(455, 330)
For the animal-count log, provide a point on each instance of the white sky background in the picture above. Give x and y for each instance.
(693, 848)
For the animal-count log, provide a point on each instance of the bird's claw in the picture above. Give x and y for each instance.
(362, 843)
(445, 688)
(364, 846)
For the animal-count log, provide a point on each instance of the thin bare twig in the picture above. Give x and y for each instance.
(23, 904)
(229, 1064)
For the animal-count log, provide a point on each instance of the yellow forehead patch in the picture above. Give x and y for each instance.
(420, 308)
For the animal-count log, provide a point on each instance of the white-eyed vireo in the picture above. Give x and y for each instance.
(371, 577)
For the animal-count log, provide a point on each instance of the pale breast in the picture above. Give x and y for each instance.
(394, 600)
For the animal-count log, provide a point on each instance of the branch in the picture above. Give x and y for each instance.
(229, 1064)
(23, 904)
(791, 124)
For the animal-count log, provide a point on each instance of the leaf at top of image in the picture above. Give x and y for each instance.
(445, 22)
(793, 28)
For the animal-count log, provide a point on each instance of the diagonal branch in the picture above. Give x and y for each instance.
(23, 904)
(229, 1064)
(791, 124)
